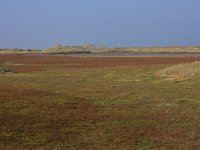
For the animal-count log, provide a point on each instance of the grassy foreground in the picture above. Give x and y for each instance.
(127, 107)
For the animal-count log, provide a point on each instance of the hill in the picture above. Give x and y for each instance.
(76, 49)
(95, 49)
(85, 49)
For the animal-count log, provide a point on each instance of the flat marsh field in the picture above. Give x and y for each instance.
(88, 103)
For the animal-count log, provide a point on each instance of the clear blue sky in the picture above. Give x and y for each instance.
(45, 23)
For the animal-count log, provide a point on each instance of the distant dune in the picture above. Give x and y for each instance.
(18, 51)
(92, 49)
(60, 49)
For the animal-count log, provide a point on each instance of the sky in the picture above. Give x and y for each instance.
(112, 23)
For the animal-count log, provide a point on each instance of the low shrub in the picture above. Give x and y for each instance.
(4, 70)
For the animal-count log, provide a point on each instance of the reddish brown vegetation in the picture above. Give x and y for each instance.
(92, 111)
(39, 62)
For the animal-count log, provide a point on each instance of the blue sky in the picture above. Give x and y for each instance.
(46, 23)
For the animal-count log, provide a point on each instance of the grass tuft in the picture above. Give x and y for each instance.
(4, 70)
(182, 72)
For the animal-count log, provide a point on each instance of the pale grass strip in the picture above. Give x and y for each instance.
(182, 71)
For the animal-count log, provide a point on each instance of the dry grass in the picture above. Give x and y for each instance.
(182, 71)
(187, 49)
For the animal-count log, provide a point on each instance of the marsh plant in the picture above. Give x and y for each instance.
(4, 70)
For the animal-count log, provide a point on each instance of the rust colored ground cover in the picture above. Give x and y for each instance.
(23, 63)
(55, 102)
